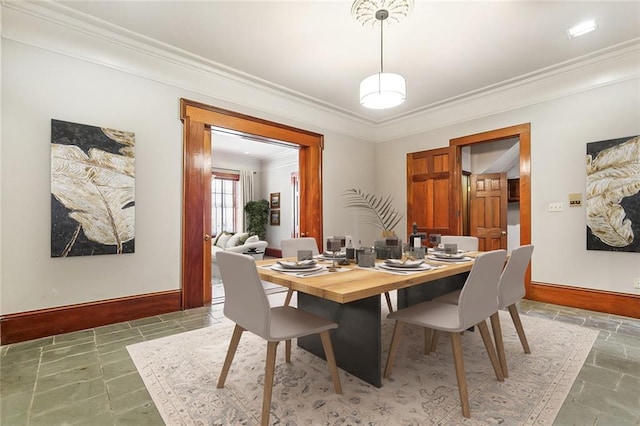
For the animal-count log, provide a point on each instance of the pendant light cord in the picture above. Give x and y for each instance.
(381, 46)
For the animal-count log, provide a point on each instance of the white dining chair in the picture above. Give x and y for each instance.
(464, 242)
(289, 248)
(510, 291)
(478, 301)
(247, 305)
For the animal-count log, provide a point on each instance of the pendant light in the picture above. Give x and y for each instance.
(381, 90)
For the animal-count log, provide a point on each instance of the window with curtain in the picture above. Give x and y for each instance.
(224, 205)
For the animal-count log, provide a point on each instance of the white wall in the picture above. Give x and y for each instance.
(276, 177)
(560, 130)
(52, 71)
(55, 70)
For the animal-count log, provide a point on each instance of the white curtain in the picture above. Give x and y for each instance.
(247, 190)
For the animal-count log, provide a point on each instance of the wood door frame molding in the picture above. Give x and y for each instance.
(523, 133)
(198, 119)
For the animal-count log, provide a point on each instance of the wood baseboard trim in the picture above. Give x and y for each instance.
(30, 325)
(273, 252)
(627, 305)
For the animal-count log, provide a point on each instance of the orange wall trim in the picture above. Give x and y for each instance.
(627, 305)
(30, 325)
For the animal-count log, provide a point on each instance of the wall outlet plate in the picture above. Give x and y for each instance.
(636, 284)
(575, 199)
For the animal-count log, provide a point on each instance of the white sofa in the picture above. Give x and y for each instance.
(232, 243)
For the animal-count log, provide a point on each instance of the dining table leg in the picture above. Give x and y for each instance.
(356, 342)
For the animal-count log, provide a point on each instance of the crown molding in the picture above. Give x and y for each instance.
(614, 65)
(53, 27)
(56, 28)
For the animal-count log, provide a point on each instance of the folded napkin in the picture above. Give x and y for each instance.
(405, 264)
(298, 264)
(330, 254)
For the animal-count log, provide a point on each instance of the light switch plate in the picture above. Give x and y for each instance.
(556, 207)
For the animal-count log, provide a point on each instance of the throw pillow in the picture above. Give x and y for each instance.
(252, 239)
(243, 238)
(234, 240)
(222, 241)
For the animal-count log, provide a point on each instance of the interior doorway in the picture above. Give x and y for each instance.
(198, 120)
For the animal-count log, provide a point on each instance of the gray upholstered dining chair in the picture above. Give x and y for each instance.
(464, 242)
(289, 248)
(478, 301)
(247, 305)
(510, 291)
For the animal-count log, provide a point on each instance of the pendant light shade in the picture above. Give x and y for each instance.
(383, 90)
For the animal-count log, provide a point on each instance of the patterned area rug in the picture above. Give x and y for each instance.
(181, 373)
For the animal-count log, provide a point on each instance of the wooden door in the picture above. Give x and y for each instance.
(488, 210)
(433, 200)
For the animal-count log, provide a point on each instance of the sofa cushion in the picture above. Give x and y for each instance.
(222, 240)
(235, 239)
(252, 239)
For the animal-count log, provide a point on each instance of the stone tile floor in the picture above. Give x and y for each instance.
(88, 378)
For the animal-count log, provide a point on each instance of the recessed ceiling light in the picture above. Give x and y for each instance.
(247, 153)
(582, 28)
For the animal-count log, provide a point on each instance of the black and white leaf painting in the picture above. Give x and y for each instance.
(92, 190)
(613, 195)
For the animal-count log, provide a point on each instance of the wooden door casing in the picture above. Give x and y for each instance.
(198, 119)
(488, 210)
(432, 188)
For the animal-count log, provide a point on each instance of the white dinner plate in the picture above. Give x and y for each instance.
(409, 264)
(292, 264)
(423, 267)
(450, 259)
(440, 255)
(281, 268)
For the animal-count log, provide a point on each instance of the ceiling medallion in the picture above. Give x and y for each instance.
(364, 11)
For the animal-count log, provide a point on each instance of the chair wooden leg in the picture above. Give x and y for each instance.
(456, 345)
(287, 299)
(268, 381)
(428, 336)
(497, 337)
(488, 344)
(434, 340)
(287, 351)
(515, 316)
(393, 349)
(331, 360)
(388, 297)
(233, 345)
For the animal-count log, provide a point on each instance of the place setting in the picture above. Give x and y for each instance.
(449, 253)
(404, 266)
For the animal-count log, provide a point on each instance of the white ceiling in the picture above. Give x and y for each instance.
(316, 50)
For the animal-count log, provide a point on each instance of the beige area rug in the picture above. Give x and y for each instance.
(181, 373)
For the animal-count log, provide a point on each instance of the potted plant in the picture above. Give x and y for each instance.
(257, 213)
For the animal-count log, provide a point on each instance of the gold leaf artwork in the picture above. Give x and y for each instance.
(98, 189)
(611, 176)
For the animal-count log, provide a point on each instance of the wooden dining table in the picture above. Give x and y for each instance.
(351, 298)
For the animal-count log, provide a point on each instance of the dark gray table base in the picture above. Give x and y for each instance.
(357, 342)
